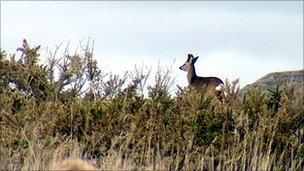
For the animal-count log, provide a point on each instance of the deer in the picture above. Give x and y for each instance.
(213, 85)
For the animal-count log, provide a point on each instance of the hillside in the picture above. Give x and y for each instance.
(271, 80)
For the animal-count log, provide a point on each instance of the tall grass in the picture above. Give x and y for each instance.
(83, 119)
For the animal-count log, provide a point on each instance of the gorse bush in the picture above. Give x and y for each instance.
(45, 107)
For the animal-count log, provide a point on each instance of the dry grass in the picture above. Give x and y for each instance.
(72, 164)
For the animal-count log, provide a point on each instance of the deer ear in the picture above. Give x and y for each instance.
(189, 56)
(194, 60)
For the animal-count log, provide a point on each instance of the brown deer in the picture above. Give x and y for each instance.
(212, 84)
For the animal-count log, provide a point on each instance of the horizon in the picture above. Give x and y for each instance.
(234, 39)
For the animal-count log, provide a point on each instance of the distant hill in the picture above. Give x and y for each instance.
(271, 80)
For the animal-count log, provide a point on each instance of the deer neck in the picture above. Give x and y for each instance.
(191, 74)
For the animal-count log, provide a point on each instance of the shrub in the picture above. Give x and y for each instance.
(117, 125)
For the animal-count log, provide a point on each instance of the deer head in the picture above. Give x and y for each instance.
(189, 63)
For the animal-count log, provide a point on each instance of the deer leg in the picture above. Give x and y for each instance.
(218, 94)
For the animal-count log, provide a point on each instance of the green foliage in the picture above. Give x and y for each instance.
(274, 99)
(38, 109)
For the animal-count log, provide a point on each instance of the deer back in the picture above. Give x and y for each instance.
(210, 83)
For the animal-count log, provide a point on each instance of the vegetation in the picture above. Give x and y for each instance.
(69, 108)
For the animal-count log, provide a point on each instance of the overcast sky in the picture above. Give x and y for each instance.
(234, 39)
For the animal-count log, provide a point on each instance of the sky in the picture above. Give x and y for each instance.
(233, 39)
